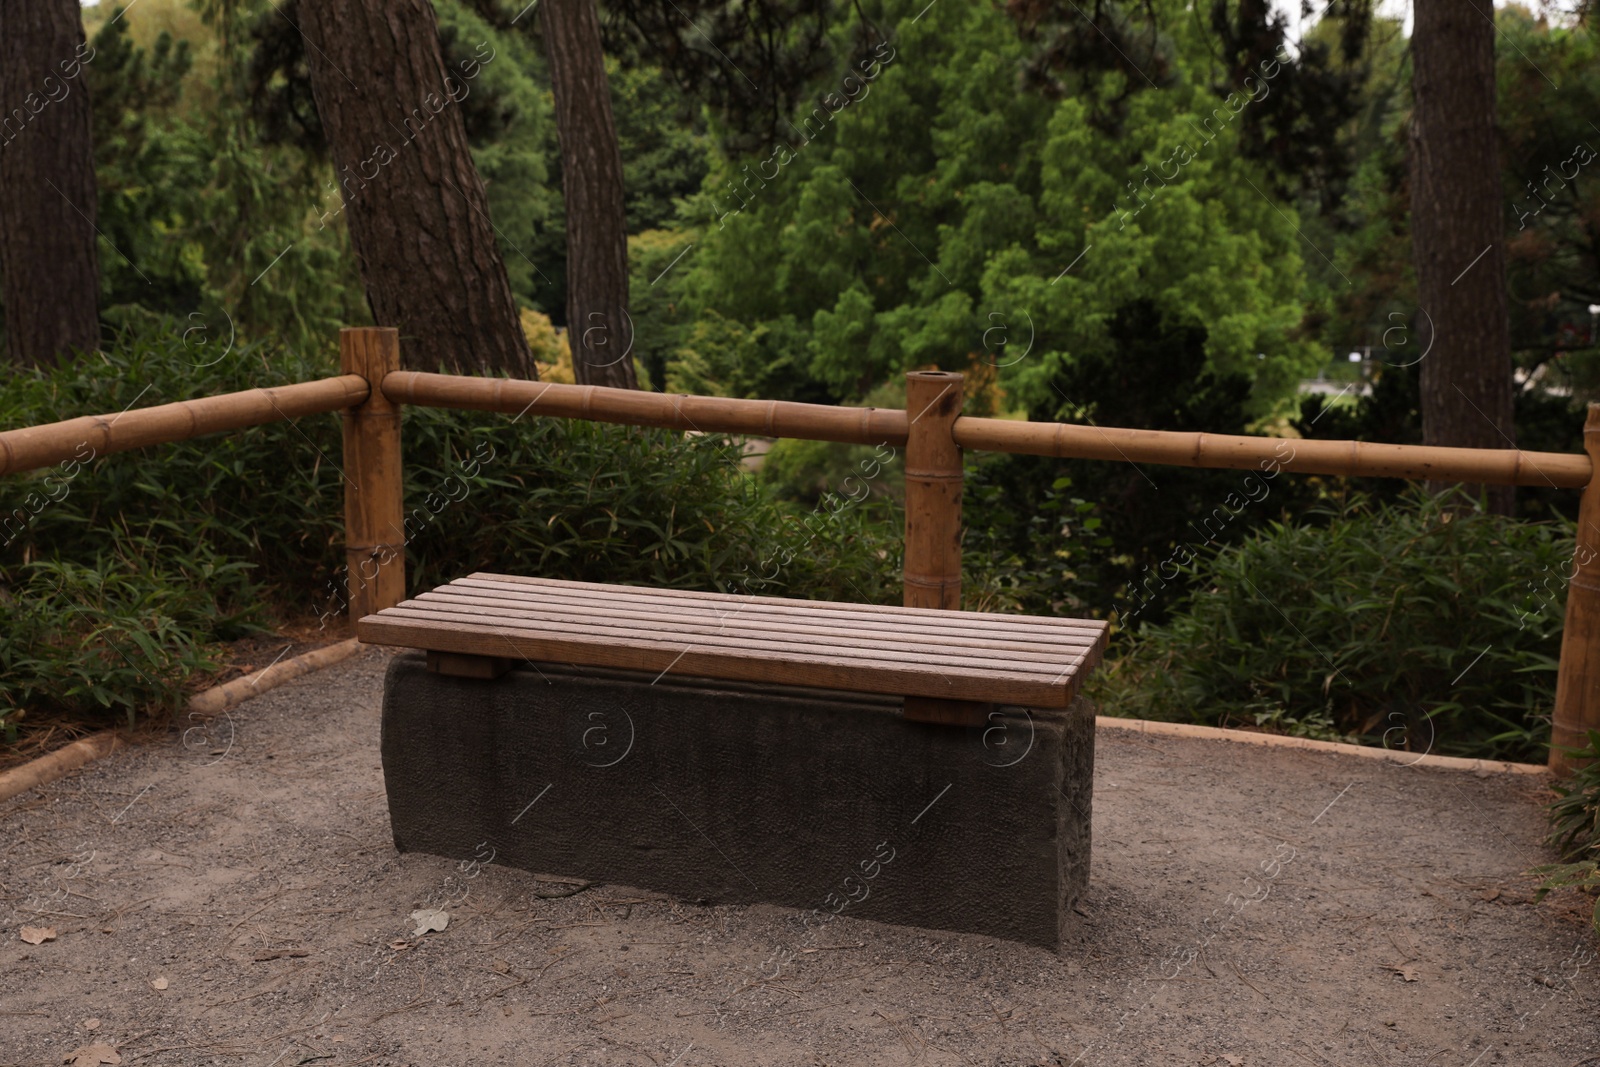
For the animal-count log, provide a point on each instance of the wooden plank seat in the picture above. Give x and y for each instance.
(950, 666)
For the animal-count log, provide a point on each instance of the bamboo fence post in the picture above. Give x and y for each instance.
(1578, 682)
(375, 550)
(933, 491)
(932, 576)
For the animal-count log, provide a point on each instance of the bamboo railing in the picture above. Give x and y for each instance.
(33, 447)
(372, 389)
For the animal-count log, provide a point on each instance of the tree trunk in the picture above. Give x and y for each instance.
(417, 210)
(1457, 232)
(48, 200)
(599, 327)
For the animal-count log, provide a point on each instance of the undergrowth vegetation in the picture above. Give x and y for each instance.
(1422, 624)
(1418, 623)
(1575, 828)
(119, 575)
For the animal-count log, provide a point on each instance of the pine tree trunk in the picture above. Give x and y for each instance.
(416, 208)
(598, 324)
(48, 200)
(1457, 233)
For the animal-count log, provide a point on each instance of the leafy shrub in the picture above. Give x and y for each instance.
(594, 502)
(1575, 829)
(1575, 813)
(124, 630)
(207, 537)
(1411, 624)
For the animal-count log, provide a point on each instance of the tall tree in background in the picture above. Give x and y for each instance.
(416, 207)
(599, 327)
(47, 189)
(1458, 230)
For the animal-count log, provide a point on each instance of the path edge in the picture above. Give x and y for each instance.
(85, 750)
(1249, 737)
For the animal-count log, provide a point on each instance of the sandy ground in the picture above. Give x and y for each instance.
(232, 896)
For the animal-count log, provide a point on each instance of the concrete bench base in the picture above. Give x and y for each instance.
(721, 792)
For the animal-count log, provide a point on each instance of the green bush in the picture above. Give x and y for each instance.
(204, 538)
(124, 630)
(1575, 813)
(1575, 828)
(1414, 624)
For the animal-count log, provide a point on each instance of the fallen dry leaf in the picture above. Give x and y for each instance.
(92, 1056)
(158, 983)
(38, 935)
(428, 920)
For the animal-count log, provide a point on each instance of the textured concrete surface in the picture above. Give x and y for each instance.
(727, 793)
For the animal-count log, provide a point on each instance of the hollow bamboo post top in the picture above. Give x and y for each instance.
(871, 426)
(80, 439)
(1577, 709)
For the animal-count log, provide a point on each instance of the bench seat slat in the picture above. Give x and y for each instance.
(806, 606)
(745, 607)
(1033, 667)
(999, 648)
(690, 660)
(912, 652)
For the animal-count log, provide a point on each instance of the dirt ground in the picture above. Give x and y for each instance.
(231, 895)
(41, 733)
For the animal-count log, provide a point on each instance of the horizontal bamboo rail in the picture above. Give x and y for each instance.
(41, 446)
(33, 447)
(633, 407)
(872, 426)
(1350, 458)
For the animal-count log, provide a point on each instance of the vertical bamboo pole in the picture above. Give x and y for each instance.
(933, 519)
(374, 528)
(1578, 682)
(933, 491)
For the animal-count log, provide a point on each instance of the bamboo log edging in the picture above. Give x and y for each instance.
(64, 760)
(69, 758)
(32, 447)
(226, 695)
(633, 407)
(1348, 458)
(1250, 737)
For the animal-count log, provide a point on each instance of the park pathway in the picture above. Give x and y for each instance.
(231, 895)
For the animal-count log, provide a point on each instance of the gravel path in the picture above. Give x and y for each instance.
(232, 896)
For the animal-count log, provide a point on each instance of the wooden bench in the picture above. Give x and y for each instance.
(950, 667)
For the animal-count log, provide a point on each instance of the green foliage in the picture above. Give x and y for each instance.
(1583, 876)
(895, 232)
(161, 553)
(1575, 813)
(123, 630)
(1575, 828)
(1410, 625)
(594, 502)
(198, 216)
